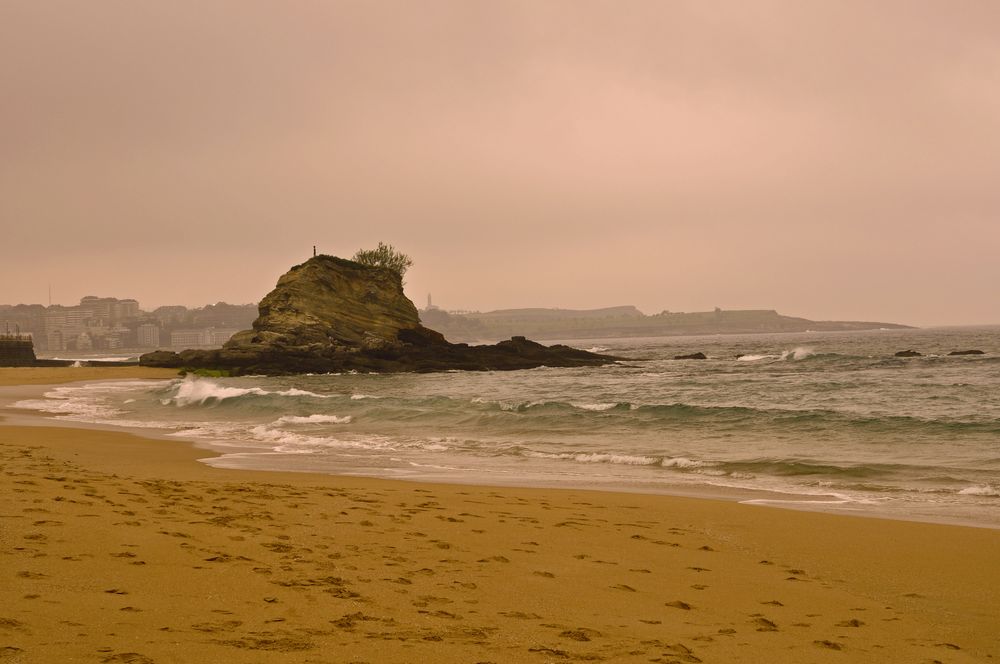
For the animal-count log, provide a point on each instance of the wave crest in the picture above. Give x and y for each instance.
(194, 391)
(314, 419)
(982, 490)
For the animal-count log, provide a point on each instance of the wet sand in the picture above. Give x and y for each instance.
(115, 548)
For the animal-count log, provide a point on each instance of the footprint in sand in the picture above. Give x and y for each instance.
(127, 658)
(763, 624)
(520, 615)
(853, 622)
(832, 645)
(580, 634)
(679, 652)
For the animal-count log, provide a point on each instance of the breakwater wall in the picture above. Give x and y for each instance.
(16, 350)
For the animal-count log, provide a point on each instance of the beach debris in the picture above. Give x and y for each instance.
(580, 634)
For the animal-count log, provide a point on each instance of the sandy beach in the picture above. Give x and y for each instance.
(117, 548)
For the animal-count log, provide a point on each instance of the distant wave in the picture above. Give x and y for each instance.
(597, 407)
(729, 416)
(982, 490)
(314, 419)
(799, 353)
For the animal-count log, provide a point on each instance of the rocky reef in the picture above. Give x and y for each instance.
(332, 315)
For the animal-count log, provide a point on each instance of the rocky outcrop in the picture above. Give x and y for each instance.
(332, 315)
(692, 356)
(329, 300)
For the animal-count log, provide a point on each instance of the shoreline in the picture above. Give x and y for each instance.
(118, 548)
(230, 458)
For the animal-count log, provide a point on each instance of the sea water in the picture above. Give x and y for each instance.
(830, 421)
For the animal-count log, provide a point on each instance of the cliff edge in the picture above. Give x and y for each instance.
(331, 315)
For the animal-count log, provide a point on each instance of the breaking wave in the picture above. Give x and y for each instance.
(200, 391)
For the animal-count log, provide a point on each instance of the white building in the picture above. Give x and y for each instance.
(148, 335)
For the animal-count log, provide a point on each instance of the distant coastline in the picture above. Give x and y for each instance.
(625, 322)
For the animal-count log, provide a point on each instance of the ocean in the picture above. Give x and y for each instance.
(824, 421)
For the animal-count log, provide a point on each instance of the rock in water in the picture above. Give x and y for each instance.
(967, 352)
(332, 300)
(909, 353)
(695, 356)
(330, 314)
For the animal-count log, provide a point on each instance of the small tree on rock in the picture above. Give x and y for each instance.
(385, 255)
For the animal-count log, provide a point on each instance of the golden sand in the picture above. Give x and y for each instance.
(116, 548)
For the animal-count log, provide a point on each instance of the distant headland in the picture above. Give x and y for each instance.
(624, 321)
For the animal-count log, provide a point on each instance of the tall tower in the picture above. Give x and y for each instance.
(430, 305)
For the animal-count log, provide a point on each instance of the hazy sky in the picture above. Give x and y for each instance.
(832, 159)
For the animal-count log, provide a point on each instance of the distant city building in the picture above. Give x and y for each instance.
(99, 323)
(187, 338)
(55, 340)
(147, 335)
(217, 337)
(125, 309)
(208, 336)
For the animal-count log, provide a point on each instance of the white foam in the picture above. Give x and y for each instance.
(359, 397)
(196, 391)
(981, 490)
(799, 353)
(314, 419)
(682, 462)
(596, 349)
(756, 358)
(295, 392)
(595, 406)
(620, 459)
(514, 406)
(67, 408)
(597, 457)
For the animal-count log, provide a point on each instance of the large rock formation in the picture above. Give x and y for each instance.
(331, 314)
